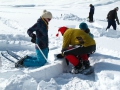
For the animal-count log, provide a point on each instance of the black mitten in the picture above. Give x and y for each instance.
(33, 38)
(60, 56)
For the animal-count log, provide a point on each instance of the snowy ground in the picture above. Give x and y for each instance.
(16, 16)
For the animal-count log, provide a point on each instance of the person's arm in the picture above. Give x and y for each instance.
(117, 18)
(65, 45)
(32, 29)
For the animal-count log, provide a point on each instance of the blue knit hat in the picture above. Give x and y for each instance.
(83, 26)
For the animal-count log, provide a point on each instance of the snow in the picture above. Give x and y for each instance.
(16, 16)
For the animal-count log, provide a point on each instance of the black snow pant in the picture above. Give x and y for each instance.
(80, 50)
(113, 23)
(91, 17)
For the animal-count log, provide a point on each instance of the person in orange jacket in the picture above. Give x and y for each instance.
(81, 43)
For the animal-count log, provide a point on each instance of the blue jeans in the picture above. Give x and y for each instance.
(38, 61)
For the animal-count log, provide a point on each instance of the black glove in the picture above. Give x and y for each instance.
(33, 38)
(60, 56)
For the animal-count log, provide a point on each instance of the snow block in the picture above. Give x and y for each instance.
(48, 71)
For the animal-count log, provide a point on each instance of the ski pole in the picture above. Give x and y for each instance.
(41, 51)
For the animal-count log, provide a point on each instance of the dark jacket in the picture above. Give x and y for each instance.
(112, 15)
(41, 30)
(92, 9)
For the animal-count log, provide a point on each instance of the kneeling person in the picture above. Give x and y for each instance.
(85, 44)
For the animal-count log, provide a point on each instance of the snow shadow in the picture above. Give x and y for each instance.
(100, 66)
(24, 5)
(98, 56)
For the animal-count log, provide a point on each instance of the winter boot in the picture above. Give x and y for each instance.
(77, 69)
(86, 64)
(20, 62)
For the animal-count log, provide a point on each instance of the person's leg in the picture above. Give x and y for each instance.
(109, 24)
(114, 25)
(32, 57)
(39, 61)
(85, 60)
(72, 59)
(80, 51)
(92, 17)
(86, 64)
(75, 62)
(84, 57)
(40, 57)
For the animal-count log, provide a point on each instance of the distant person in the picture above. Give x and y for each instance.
(40, 38)
(111, 16)
(91, 13)
(81, 43)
